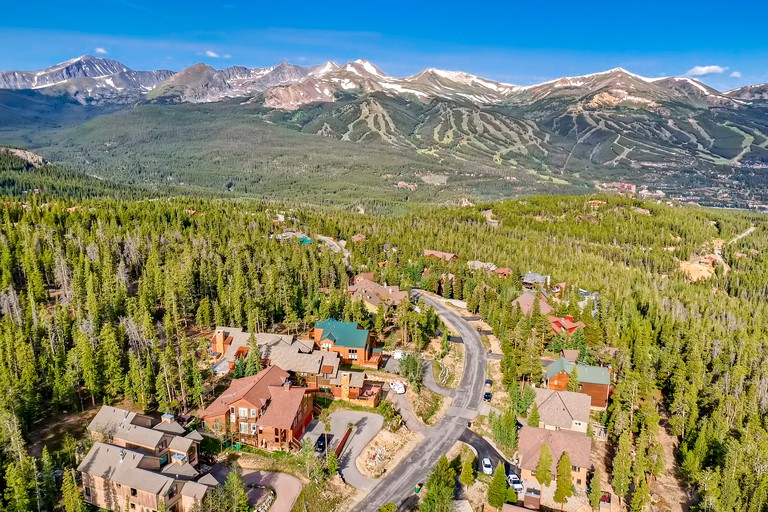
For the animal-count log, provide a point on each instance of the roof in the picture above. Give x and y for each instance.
(364, 288)
(194, 490)
(121, 466)
(533, 277)
(576, 444)
(172, 427)
(356, 379)
(263, 340)
(254, 390)
(561, 408)
(317, 362)
(194, 435)
(526, 300)
(571, 355)
(565, 323)
(180, 470)
(503, 271)
(481, 265)
(286, 401)
(180, 444)
(513, 508)
(588, 374)
(447, 256)
(344, 334)
(118, 423)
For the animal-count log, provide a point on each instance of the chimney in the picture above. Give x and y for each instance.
(569, 318)
(167, 418)
(287, 385)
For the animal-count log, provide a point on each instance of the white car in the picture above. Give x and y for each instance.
(397, 387)
(487, 466)
(514, 482)
(398, 354)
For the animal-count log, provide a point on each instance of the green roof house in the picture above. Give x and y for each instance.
(594, 381)
(353, 343)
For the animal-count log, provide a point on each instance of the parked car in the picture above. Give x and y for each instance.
(397, 387)
(514, 482)
(488, 383)
(487, 466)
(398, 355)
(320, 443)
(487, 396)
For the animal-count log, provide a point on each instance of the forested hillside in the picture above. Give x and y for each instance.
(101, 298)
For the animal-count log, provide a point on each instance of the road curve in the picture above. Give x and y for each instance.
(287, 487)
(397, 486)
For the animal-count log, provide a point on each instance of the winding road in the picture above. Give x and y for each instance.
(397, 486)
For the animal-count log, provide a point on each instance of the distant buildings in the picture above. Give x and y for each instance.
(440, 255)
(373, 294)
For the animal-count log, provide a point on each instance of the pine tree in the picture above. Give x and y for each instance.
(240, 368)
(497, 489)
(563, 488)
(573, 383)
(253, 359)
(388, 507)
(467, 476)
(544, 466)
(110, 355)
(622, 466)
(20, 483)
(71, 498)
(332, 462)
(533, 416)
(234, 490)
(48, 481)
(595, 490)
(641, 497)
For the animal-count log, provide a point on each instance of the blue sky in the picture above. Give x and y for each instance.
(516, 42)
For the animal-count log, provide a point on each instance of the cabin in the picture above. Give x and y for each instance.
(594, 381)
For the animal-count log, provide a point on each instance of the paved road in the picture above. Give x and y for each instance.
(398, 486)
(287, 487)
(484, 449)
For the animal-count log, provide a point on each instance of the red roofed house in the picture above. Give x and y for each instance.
(445, 256)
(527, 300)
(263, 410)
(503, 272)
(565, 324)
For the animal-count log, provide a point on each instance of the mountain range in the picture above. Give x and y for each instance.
(671, 132)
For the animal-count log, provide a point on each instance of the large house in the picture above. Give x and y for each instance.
(440, 255)
(594, 381)
(565, 325)
(562, 410)
(576, 444)
(230, 343)
(527, 301)
(353, 343)
(373, 294)
(138, 463)
(262, 410)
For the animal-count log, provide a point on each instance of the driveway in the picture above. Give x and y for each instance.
(366, 426)
(397, 486)
(287, 487)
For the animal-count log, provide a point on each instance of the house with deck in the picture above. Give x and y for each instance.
(354, 344)
(594, 381)
(264, 410)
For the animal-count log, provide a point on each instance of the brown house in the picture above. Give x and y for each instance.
(263, 410)
(527, 300)
(594, 381)
(138, 463)
(364, 288)
(353, 344)
(440, 255)
(353, 387)
(576, 444)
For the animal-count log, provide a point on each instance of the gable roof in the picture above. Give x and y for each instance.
(561, 408)
(526, 300)
(447, 256)
(121, 466)
(254, 390)
(365, 288)
(119, 423)
(286, 401)
(343, 334)
(571, 355)
(565, 323)
(588, 374)
(576, 444)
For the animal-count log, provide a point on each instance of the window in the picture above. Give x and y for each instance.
(578, 481)
(326, 346)
(232, 409)
(243, 427)
(134, 492)
(253, 413)
(575, 469)
(87, 491)
(133, 506)
(353, 354)
(242, 412)
(253, 428)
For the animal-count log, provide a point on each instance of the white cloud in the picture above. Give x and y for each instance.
(101, 51)
(706, 70)
(212, 54)
(736, 74)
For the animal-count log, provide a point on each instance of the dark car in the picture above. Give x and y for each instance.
(488, 383)
(487, 396)
(320, 443)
